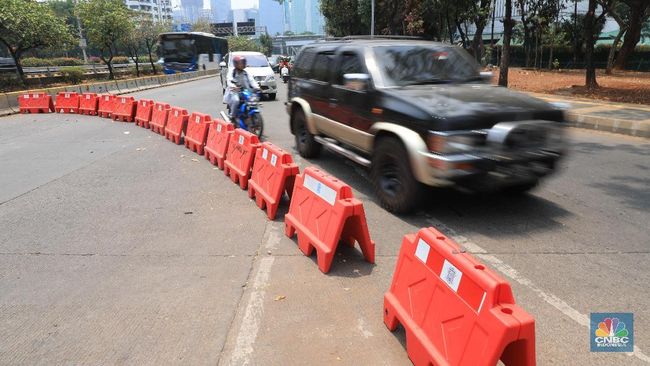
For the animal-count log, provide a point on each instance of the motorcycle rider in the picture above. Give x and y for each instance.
(238, 79)
(285, 72)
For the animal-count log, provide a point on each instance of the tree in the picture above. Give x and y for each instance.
(590, 36)
(508, 24)
(26, 25)
(266, 43)
(133, 44)
(242, 43)
(202, 24)
(344, 17)
(480, 18)
(107, 24)
(620, 13)
(148, 31)
(639, 13)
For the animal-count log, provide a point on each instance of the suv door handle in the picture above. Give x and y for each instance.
(333, 101)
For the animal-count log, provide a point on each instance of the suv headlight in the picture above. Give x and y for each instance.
(452, 142)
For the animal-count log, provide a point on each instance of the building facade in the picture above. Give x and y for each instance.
(158, 9)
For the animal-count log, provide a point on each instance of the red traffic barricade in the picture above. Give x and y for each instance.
(216, 145)
(159, 117)
(239, 159)
(176, 124)
(143, 112)
(455, 310)
(35, 103)
(67, 102)
(273, 174)
(197, 132)
(88, 103)
(124, 109)
(324, 212)
(106, 105)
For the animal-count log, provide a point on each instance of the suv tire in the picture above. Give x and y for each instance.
(305, 144)
(395, 186)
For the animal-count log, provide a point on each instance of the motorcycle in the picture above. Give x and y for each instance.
(248, 117)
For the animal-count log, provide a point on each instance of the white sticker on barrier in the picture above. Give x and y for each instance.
(241, 140)
(265, 153)
(88, 96)
(422, 251)
(160, 108)
(107, 98)
(197, 119)
(274, 159)
(35, 95)
(219, 128)
(26, 96)
(320, 189)
(123, 100)
(67, 95)
(176, 113)
(451, 275)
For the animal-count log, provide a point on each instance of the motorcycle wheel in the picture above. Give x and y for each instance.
(256, 125)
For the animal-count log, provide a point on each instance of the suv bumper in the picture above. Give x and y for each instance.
(268, 87)
(487, 171)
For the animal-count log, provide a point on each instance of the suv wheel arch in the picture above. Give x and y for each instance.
(413, 143)
(299, 104)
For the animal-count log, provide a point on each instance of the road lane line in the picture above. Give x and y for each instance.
(512, 273)
(249, 327)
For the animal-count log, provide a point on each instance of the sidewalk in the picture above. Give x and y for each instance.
(628, 119)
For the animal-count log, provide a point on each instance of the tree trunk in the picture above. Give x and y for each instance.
(479, 21)
(590, 17)
(633, 34)
(153, 66)
(19, 68)
(612, 51)
(550, 56)
(462, 34)
(505, 52)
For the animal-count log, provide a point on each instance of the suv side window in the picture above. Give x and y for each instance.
(303, 63)
(350, 64)
(321, 69)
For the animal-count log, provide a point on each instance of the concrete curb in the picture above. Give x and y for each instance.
(9, 101)
(583, 117)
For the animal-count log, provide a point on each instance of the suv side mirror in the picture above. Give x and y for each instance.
(356, 82)
(222, 64)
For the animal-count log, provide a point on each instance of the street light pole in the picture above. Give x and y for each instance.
(372, 17)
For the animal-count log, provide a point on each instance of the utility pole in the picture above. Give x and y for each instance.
(82, 40)
(372, 17)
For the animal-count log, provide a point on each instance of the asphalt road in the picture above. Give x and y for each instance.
(118, 247)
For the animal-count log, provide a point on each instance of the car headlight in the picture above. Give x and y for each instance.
(451, 143)
(270, 78)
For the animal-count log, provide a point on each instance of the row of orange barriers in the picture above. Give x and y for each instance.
(455, 311)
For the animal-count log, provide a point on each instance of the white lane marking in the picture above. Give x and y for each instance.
(250, 324)
(512, 273)
(361, 325)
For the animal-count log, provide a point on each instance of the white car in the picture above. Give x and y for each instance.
(258, 66)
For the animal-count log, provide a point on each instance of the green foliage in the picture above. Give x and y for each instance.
(107, 24)
(120, 60)
(35, 62)
(57, 61)
(242, 43)
(202, 25)
(25, 25)
(346, 17)
(266, 43)
(73, 74)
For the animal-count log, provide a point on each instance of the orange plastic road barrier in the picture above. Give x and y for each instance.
(273, 174)
(176, 124)
(454, 310)
(88, 103)
(323, 212)
(216, 146)
(159, 117)
(35, 103)
(197, 132)
(239, 159)
(143, 112)
(124, 109)
(106, 105)
(67, 102)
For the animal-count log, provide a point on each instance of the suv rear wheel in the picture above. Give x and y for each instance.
(394, 183)
(305, 144)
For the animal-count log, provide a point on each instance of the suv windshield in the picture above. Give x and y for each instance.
(419, 65)
(256, 61)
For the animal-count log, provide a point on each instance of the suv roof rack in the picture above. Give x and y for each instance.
(368, 37)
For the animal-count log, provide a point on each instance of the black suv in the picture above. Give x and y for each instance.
(419, 113)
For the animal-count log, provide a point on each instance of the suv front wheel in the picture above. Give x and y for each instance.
(394, 183)
(305, 144)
